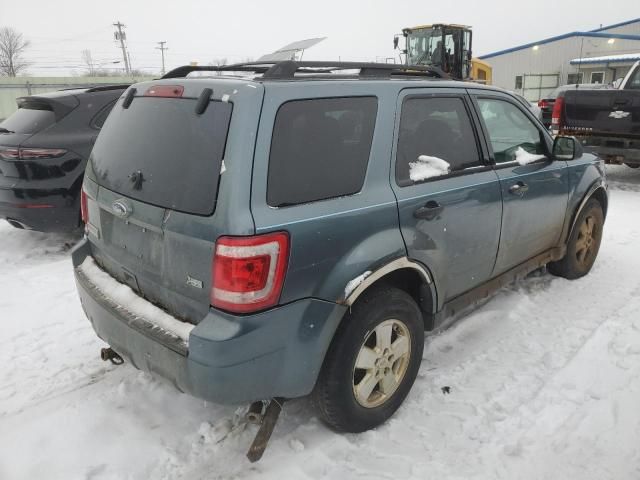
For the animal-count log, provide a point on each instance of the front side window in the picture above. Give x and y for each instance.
(510, 130)
(433, 130)
(320, 149)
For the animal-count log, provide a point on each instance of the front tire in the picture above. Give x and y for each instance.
(372, 362)
(584, 244)
(633, 165)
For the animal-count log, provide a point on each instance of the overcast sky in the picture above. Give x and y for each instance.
(206, 30)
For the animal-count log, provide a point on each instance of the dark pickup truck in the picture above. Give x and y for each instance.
(607, 122)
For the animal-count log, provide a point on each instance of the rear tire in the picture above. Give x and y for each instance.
(584, 244)
(372, 362)
(632, 165)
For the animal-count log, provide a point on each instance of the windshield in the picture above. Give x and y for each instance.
(424, 46)
(161, 152)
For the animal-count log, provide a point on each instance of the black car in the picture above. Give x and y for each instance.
(546, 104)
(44, 148)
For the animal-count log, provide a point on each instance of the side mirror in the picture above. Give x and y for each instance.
(566, 148)
(396, 40)
(617, 83)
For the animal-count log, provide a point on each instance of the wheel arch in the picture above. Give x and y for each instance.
(412, 277)
(597, 191)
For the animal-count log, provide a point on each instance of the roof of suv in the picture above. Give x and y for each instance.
(294, 71)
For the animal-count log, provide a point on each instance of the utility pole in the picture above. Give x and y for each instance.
(120, 35)
(162, 48)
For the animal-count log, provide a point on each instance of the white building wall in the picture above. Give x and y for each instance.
(554, 58)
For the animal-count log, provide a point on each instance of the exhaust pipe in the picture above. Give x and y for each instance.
(255, 413)
(16, 224)
(110, 355)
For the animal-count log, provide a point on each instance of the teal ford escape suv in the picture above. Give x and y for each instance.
(295, 228)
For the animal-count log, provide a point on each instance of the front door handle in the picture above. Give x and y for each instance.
(519, 188)
(430, 210)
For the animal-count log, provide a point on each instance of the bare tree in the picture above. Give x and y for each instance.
(12, 47)
(219, 62)
(87, 59)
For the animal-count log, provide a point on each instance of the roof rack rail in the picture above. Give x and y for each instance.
(287, 69)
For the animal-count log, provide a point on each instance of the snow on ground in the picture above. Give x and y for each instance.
(544, 384)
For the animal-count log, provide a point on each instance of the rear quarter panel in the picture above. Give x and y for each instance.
(336, 240)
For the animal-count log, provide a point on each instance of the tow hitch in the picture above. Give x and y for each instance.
(266, 415)
(110, 355)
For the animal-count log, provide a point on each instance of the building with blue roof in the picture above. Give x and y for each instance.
(596, 56)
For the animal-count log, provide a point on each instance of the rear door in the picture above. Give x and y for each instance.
(534, 188)
(450, 218)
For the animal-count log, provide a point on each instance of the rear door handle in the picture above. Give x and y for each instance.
(430, 210)
(519, 188)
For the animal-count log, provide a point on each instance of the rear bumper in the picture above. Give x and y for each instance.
(45, 212)
(225, 359)
(614, 150)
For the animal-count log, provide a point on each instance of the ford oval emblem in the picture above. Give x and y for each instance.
(121, 209)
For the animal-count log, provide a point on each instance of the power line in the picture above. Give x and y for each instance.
(162, 48)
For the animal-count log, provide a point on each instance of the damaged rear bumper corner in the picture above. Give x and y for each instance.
(226, 359)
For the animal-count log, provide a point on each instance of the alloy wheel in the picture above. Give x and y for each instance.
(381, 363)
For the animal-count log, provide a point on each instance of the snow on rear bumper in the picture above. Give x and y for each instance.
(132, 309)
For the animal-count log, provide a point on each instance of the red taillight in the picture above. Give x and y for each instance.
(543, 103)
(556, 115)
(37, 153)
(10, 153)
(248, 272)
(164, 91)
(31, 153)
(84, 207)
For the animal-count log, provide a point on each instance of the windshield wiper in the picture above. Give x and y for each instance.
(4, 130)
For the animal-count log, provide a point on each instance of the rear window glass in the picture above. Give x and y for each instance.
(159, 151)
(29, 120)
(320, 149)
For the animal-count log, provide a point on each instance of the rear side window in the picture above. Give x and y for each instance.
(320, 149)
(435, 127)
(29, 120)
(160, 151)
